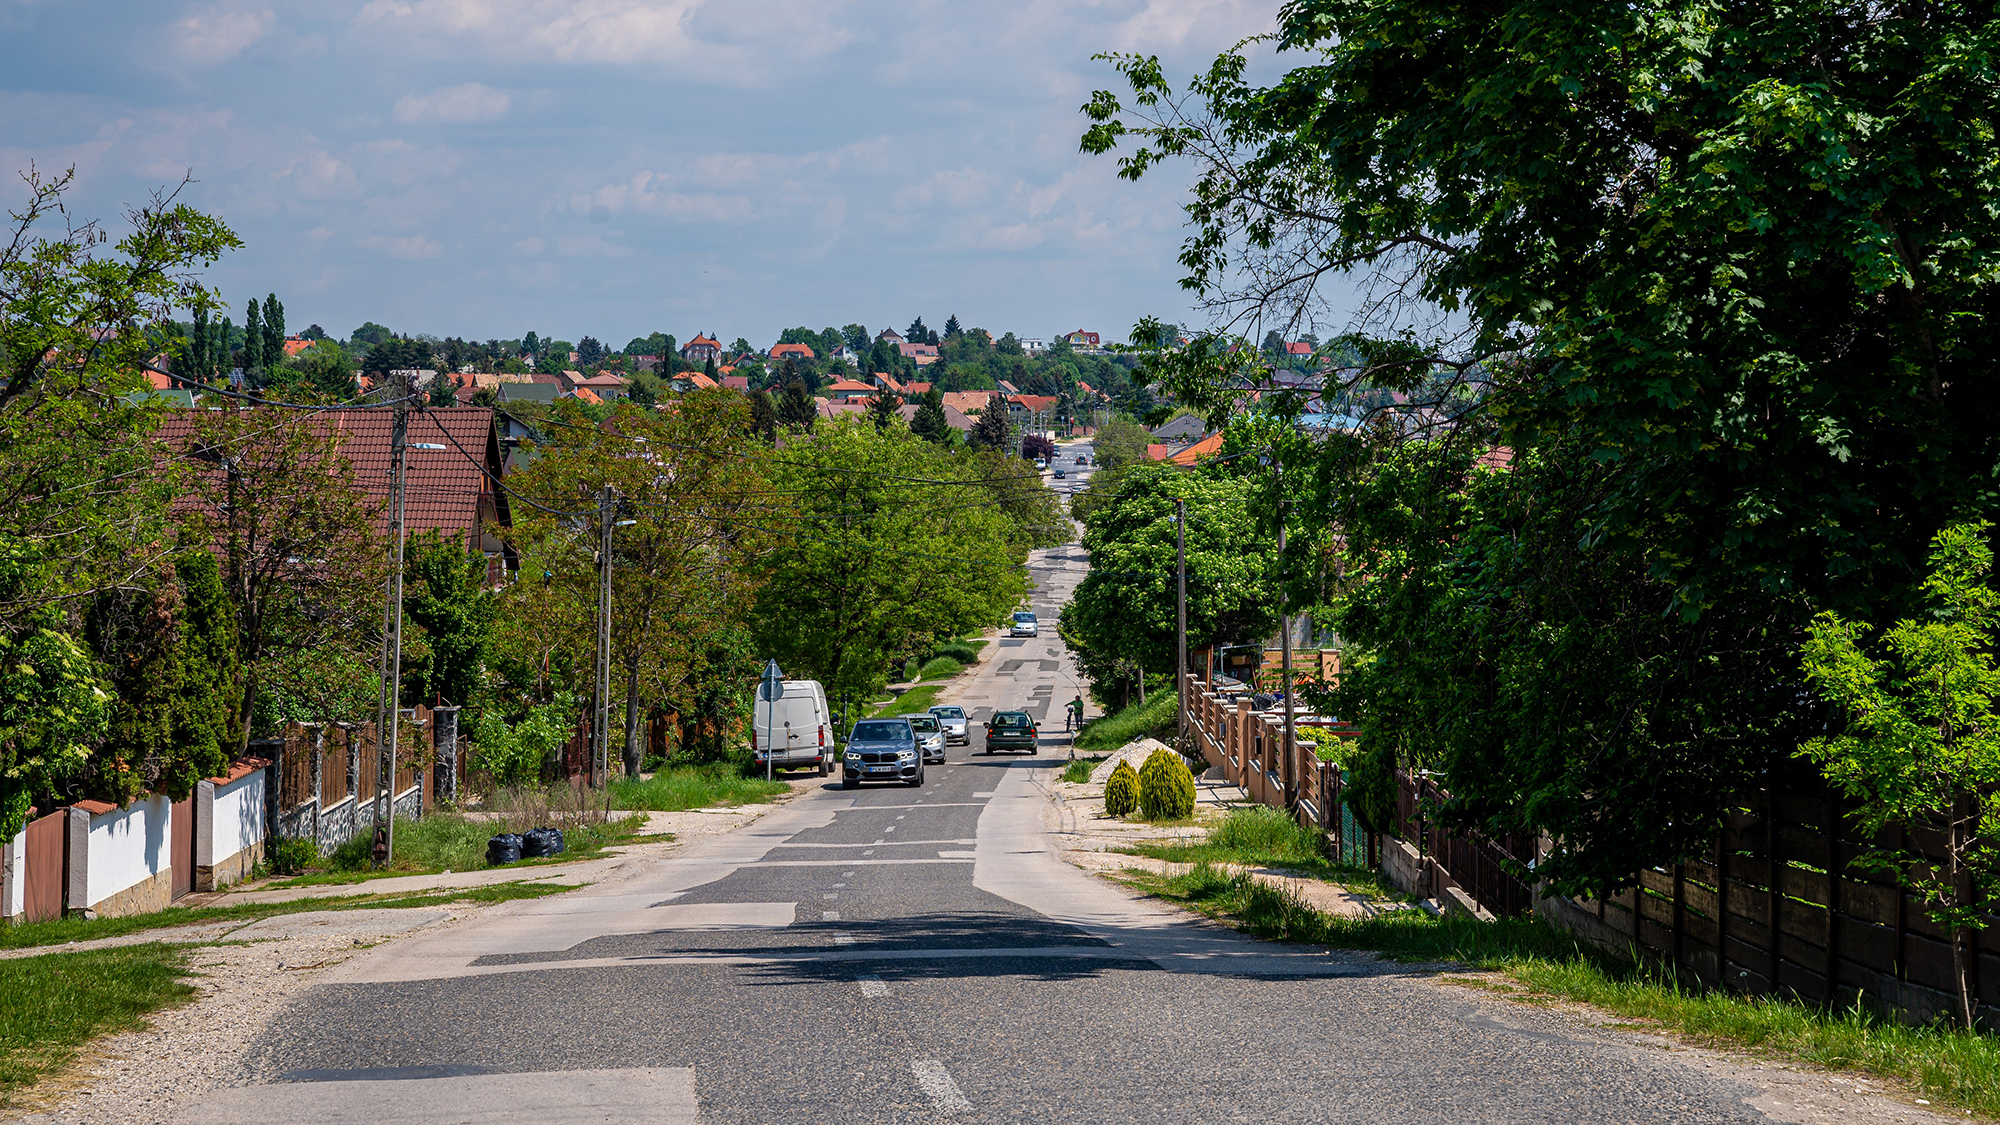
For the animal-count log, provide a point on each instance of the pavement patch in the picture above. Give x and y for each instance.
(873, 987)
(937, 1085)
(634, 1096)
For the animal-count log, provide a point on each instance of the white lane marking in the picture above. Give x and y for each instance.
(988, 793)
(901, 817)
(937, 1084)
(843, 939)
(846, 875)
(871, 851)
(837, 886)
(872, 986)
(891, 828)
(830, 898)
(829, 915)
(957, 855)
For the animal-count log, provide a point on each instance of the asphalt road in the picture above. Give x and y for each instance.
(916, 954)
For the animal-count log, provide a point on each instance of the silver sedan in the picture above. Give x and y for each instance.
(930, 736)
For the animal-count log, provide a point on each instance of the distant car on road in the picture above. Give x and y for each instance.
(882, 750)
(1024, 625)
(953, 720)
(930, 736)
(1082, 460)
(1011, 731)
(1059, 474)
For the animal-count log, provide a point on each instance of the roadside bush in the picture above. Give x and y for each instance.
(515, 755)
(1121, 791)
(1166, 788)
(965, 652)
(941, 668)
(292, 856)
(1078, 771)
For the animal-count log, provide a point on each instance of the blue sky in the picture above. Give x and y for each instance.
(616, 167)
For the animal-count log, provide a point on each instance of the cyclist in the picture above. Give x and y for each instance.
(1075, 710)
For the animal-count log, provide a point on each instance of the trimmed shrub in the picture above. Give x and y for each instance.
(1121, 790)
(1166, 788)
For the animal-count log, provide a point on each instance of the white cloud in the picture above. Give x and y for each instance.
(414, 248)
(469, 104)
(320, 175)
(216, 35)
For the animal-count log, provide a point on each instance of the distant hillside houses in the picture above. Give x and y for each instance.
(701, 349)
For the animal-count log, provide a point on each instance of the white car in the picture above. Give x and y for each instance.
(1024, 625)
(930, 736)
(952, 719)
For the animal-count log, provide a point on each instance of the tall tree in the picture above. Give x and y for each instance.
(273, 349)
(589, 352)
(917, 333)
(444, 593)
(796, 407)
(951, 327)
(856, 337)
(991, 431)
(882, 408)
(253, 338)
(930, 422)
(763, 414)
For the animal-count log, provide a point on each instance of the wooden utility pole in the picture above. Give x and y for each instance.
(1291, 770)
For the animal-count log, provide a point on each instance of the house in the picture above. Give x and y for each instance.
(294, 345)
(1081, 339)
(1298, 349)
(847, 390)
(890, 335)
(954, 418)
(967, 402)
(1034, 345)
(1181, 431)
(1007, 388)
(1033, 404)
(701, 349)
(605, 386)
(914, 389)
(792, 351)
(451, 490)
(844, 354)
(922, 353)
(645, 362)
(1185, 458)
(693, 381)
(737, 383)
(585, 394)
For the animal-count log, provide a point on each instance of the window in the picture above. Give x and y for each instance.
(880, 731)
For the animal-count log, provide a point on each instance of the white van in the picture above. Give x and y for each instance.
(796, 730)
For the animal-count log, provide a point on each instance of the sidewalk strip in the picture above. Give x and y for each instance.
(937, 1084)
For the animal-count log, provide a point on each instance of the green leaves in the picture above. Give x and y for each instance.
(53, 710)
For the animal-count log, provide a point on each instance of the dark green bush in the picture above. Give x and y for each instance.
(1121, 791)
(1166, 788)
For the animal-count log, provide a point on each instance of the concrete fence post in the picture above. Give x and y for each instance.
(318, 778)
(203, 808)
(76, 880)
(444, 727)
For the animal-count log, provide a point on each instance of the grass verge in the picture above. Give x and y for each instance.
(57, 1002)
(940, 668)
(63, 930)
(1078, 771)
(678, 788)
(911, 702)
(1935, 1061)
(443, 841)
(1153, 718)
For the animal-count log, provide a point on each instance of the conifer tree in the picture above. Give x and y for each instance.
(274, 331)
(253, 338)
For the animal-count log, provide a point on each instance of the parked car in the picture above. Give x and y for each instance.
(953, 720)
(1011, 731)
(795, 729)
(1024, 625)
(930, 737)
(882, 750)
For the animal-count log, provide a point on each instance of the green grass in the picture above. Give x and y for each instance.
(1254, 836)
(677, 788)
(57, 1002)
(964, 650)
(1154, 718)
(941, 668)
(451, 842)
(1935, 1061)
(1078, 771)
(912, 702)
(63, 930)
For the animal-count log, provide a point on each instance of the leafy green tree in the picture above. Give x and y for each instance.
(991, 432)
(371, 334)
(322, 371)
(1675, 235)
(890, 542)
(763, 414)
(857, 338)
(1920, 749)
(1120, 444)
(444, 594)
(53, 711)
(589, 352)
(680, 478)
(1124, 609)
(400, 354)
(253, 338)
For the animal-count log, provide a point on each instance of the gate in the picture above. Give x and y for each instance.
(182, 855)
(48, 865)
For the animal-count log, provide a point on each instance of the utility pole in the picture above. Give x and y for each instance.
(1180, 626)
(600, 712)
(1285, 652)
(392, 633)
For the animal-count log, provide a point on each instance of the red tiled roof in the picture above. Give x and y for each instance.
(585, 394)
(736, 382)
(700, 380)
(1033, 403)
(1206, 447)
(545, 380)
(782, 351)
(294, 345)
(850, 385)
(1298, 347)
(967, 402)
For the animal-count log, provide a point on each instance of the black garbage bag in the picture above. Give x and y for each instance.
(501, 849)
(539, 842)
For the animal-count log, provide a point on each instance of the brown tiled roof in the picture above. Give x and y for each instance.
(736, 382)
(446, 490)
(967, 402)
(780, 351)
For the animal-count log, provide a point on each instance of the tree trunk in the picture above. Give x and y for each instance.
(1954, 840)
